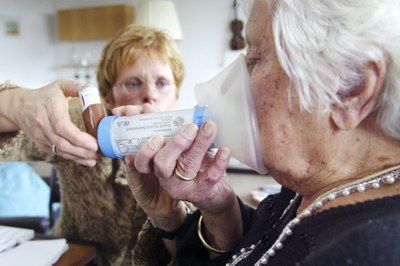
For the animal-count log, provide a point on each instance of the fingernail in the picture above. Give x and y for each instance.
(128, 164)
(207, 129)
(156, 141)
(135, 108)
(92, 145)
(190, 131)
(90, 163)
(224, 153)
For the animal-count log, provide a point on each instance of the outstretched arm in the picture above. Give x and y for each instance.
(43, 115)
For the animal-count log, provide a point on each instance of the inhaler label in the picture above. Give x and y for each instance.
(131, 132)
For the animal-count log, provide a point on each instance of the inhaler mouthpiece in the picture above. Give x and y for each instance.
(230, 104)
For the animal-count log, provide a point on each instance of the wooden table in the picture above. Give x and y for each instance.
(78, 253)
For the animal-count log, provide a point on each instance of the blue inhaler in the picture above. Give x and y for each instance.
(119, 136)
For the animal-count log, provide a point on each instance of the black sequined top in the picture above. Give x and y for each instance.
(366, 233)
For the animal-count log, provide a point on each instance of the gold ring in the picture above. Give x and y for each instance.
(179, 175)
(54, 149)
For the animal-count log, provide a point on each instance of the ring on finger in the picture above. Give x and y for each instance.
(54, 149)
(184, 178)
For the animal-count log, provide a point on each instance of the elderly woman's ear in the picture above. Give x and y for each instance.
(359, 101)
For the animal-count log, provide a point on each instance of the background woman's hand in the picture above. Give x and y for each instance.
(43, 114)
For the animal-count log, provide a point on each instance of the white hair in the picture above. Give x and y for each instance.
(321, 45)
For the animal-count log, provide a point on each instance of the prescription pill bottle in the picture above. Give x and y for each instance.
(92, 109)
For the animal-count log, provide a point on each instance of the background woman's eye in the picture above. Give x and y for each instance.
(162, 83)
(133, 84)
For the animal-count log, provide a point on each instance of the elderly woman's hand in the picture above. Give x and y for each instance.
(43, 114)
(164, 211)
(163, 174)
(187, 154)
(189, 170)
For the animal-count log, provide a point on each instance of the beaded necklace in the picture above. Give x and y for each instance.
(388, 177)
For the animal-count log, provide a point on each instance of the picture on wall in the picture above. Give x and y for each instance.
(11, 26)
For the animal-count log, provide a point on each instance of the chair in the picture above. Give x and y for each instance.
(39, 224)
(55, 198)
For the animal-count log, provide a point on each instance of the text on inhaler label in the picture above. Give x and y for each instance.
(130, 134)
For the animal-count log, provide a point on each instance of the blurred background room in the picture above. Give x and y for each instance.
(43, 40)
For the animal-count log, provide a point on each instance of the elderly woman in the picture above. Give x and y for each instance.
(139, 65)
(325, 79)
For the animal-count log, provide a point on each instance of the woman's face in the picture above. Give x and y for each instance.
(288, 135)
(149, 80)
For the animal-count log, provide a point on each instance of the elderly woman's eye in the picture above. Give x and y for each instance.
(252, 61)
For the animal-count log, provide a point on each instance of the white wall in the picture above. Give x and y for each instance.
(28, 59)
(206, 30)
(35, 57)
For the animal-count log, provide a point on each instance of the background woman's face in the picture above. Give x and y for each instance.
(149, 80)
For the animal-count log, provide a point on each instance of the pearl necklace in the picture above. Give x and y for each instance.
(388, 177)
